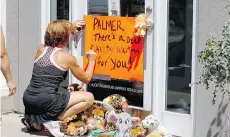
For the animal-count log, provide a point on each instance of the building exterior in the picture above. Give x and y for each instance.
(181, 29)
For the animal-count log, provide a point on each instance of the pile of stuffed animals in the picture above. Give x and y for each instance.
(108, 119)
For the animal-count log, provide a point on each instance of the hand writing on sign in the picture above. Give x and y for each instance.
(91, 55)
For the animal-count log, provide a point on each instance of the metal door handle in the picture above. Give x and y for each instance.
(150, 24)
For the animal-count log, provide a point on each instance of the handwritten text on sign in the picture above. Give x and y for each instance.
(112, 38)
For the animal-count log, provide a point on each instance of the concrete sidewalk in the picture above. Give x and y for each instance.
(11, 126)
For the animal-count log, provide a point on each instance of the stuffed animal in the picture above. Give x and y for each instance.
(97, 121)
(115, 102)
(153, 126)
(124, 122)
(75, 87)
(71, 129)
(78, 128)
(69, 119)
(136, 130)
(110, 126)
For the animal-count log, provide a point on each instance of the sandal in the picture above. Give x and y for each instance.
(29, 127)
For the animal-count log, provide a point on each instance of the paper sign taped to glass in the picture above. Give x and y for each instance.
(119, 45)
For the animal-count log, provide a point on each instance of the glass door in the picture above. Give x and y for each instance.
(176, 51)
(138, 93)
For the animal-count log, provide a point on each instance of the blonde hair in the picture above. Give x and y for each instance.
(58, 32)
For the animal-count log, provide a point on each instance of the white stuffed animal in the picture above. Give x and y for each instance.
(124, 122)
(153, 126)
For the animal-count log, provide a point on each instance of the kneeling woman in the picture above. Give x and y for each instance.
(43, 103)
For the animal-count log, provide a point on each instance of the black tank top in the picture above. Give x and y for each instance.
(47, 75)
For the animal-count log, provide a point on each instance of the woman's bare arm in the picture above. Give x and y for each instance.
(78, 72)
(5, 63)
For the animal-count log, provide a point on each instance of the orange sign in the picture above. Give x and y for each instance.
(119, 51)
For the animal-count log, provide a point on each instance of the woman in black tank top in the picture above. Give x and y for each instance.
(44, 105)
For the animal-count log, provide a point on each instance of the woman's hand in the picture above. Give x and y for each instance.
(79, 25)
(12, 88)
(91, 56)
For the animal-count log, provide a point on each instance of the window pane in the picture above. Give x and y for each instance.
(132, 90)
(98, 7)
(179, 56)
(59, 9)
(63, 9)
(131, 8)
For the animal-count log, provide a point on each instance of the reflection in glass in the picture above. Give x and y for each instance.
(179, 56)
(132, 90)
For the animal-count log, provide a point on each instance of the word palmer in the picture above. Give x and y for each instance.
(111, 25)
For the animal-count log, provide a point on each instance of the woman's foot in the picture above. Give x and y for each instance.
(54, 128)
(28, 125)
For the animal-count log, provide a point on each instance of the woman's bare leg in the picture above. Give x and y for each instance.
(78, 102)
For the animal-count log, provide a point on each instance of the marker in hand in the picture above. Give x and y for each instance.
(90, 52)
(87, 54)
(90, 58)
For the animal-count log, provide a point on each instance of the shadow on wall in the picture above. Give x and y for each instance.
(220, 125)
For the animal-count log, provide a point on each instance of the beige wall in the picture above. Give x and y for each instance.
(23, 37)
(211, 121)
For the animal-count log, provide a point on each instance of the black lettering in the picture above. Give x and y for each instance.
(118, 64)
(128, 39)
(98, 49)
(99, 37)
(121, 38)
(136, 40)
(124, 65)
(139, 39)
(108, 48)
(113, 28)
(113, 36)
(135, 51)
(114, 64)
(95, 37)
(123, 50)
(101, 63)
(119, 25)
(105, 25)
(95, 21)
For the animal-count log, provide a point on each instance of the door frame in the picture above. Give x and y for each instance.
(185, 123)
